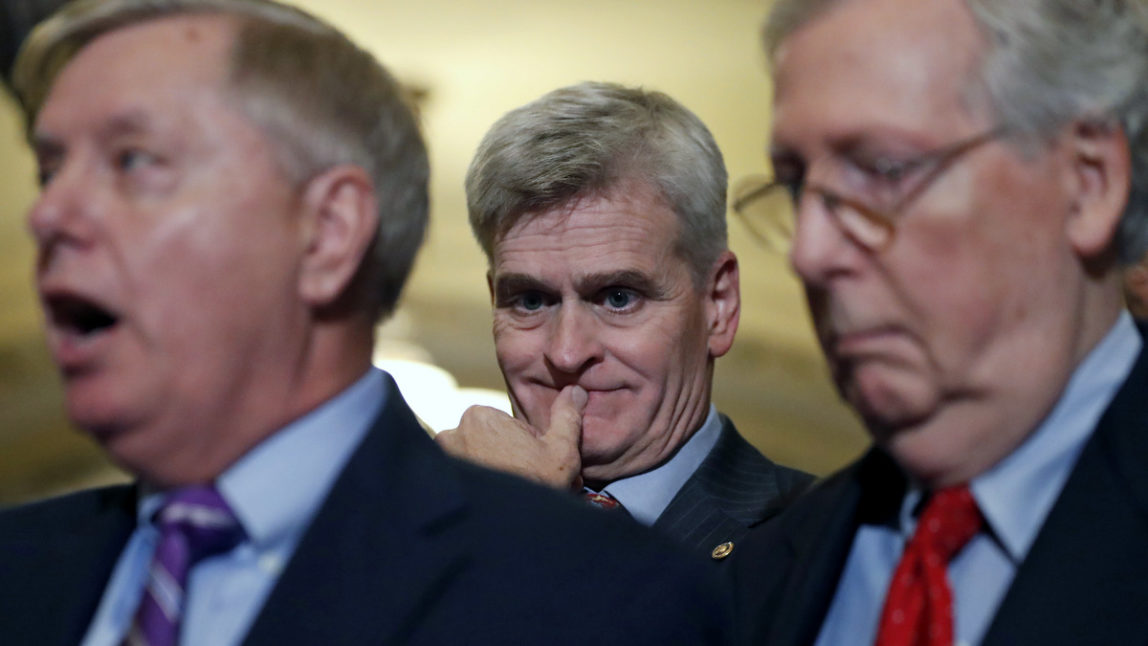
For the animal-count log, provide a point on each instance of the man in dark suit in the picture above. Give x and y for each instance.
(965, 178)
(601, 210)
(233, 193)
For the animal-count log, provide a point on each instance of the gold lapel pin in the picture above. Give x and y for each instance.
(722, 551)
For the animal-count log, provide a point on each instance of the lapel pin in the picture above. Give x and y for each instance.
(722, 551)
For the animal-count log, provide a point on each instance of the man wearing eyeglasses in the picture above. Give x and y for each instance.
(963, 180)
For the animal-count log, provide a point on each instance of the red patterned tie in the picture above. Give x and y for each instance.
(603, 500)
(919, 605)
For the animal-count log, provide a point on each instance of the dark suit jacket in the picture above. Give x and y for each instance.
(734, 488)
(1084, 581)
(410, 547)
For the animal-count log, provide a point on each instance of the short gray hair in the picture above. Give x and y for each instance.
(1049, 63)
(588, 140)
(321, 100)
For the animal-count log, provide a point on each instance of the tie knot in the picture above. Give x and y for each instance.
(603, 499)
(950, 519)
(202, 518)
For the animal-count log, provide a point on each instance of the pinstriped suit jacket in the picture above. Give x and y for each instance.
(733, 488)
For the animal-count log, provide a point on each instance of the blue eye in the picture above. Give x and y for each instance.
(530, 301)
(133, 158)
(619, 299)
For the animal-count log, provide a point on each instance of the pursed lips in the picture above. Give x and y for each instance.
(862, 340)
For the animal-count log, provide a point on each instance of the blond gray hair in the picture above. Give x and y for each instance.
(321, 100)
(589, 139)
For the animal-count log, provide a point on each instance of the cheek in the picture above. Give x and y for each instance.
(516, 348)
(199, 271)
(960, 280)
(674, 347)
(520, 359)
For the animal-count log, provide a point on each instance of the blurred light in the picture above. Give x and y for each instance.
(433, 393)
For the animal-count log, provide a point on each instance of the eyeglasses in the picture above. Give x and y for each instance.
(768, 205)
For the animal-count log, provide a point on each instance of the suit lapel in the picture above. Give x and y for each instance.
(821, 539)
(383, 541)
(734, 487)
(698, 515)
(1083, 579)
(68, 569)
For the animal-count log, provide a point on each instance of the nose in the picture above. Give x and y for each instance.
(820, 248)
(64, 211)
(574, 344)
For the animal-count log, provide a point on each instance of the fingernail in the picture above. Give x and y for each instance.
(578, 396)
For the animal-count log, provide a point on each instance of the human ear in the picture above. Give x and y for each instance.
(1101, 176)
(723, 303)
(342, 216)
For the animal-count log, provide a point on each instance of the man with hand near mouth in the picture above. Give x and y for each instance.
(233, 194)
(601, 210)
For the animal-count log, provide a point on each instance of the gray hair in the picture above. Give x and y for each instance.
(1049, 63)
(321, 100)
(588, 140)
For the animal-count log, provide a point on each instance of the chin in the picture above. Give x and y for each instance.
(99, 418)
(889, 407)
(931, 455)
(595, 443)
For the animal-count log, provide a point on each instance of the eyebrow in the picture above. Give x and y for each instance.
(133, 122)
(514, 283)
(507, 285)
(590, 283)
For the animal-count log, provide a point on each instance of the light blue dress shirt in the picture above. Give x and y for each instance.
(275, 490)
(646, 495)
(1014, 496)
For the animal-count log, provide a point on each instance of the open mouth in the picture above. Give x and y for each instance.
(79, 315)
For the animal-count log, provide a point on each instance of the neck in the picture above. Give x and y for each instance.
(978, 427)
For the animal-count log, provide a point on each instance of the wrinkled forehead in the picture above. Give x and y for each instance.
(865, 64)
(619, 206)
(632, 218)
(154, 58)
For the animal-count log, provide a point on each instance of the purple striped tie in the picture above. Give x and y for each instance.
(194, 523)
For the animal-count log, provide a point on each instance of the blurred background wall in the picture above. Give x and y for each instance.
(472, 62)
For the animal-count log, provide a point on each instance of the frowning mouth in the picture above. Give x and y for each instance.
(865, 341)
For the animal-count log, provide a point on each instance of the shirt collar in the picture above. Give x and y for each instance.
(646, 495)
(276, 488)
(1016, 494)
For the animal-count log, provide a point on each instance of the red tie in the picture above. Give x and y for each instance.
(603, 500)
(919, 605)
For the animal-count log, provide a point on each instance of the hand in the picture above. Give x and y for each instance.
(490, 437)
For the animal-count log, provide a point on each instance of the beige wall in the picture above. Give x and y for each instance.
(478, 60)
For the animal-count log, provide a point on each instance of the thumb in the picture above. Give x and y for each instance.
(566, 416)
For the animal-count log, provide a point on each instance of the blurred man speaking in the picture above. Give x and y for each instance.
(601, 210)
(233, 194)
(965, 177)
